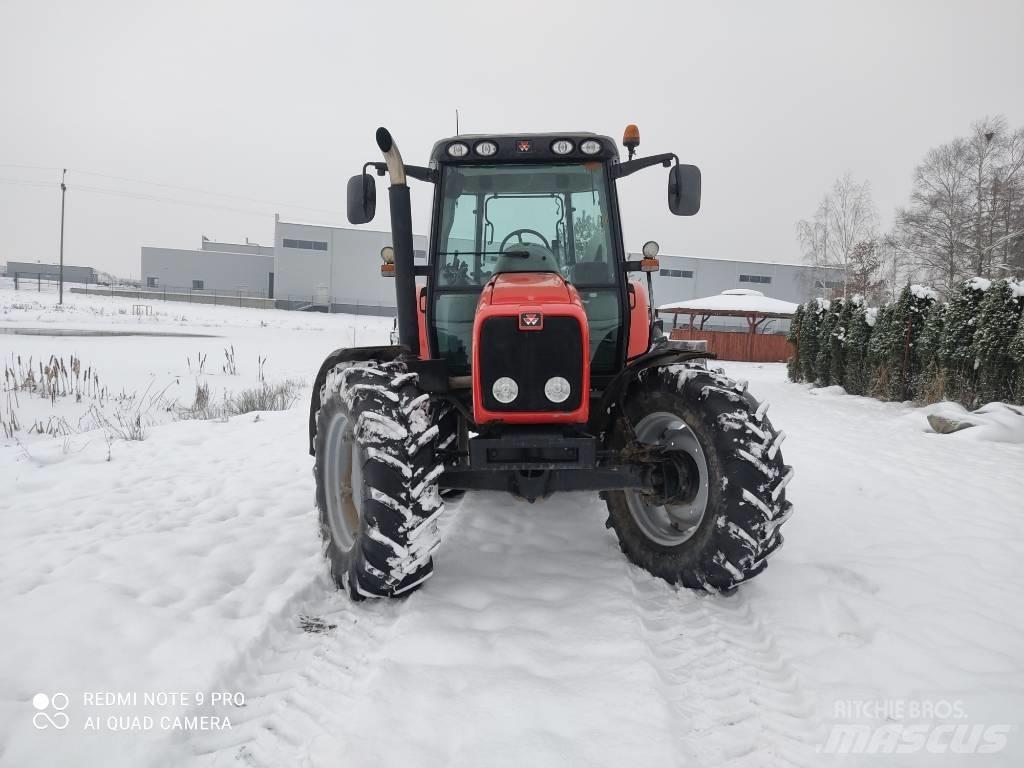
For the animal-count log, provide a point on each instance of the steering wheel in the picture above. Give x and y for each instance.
(520, 233)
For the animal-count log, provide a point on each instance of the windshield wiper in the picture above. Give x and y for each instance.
(517, 254)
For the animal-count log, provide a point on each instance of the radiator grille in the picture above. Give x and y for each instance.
(530, 358)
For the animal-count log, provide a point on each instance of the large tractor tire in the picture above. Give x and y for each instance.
(376, 479)
(718, 529)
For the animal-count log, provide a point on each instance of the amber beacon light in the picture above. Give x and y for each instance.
(631, 139)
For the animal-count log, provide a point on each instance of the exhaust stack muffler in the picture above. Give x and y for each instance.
(401, 241)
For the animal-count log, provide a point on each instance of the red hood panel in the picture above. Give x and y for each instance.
(529, 288)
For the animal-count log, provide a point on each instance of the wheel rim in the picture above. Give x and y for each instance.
(674, 523)
(343, 483)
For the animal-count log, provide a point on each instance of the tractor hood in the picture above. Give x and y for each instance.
(530, 329)
(530, 288)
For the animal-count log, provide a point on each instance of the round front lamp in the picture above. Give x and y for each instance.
(505, 390)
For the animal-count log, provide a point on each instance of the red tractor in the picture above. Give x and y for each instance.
(528, 360)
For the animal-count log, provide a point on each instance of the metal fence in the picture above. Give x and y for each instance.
(41, 282)
(37, 281)
(213, 296)
(46, 283)
(334, 305)
(184, 290)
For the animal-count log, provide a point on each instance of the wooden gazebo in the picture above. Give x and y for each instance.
(754, 345)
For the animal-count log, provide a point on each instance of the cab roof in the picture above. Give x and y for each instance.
(523, 148)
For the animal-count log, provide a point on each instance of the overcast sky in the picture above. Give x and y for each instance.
(277, 103)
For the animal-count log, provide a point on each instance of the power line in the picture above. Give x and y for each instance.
(30, 167)
(26, 183)
(198, 191)
(149, 197)
(179, 188)
(158, 198)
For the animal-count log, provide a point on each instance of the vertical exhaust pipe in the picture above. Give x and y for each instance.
(401, 240)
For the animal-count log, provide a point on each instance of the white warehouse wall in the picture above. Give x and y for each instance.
(789, 282)
(316, 265)
(344, 273)
(219, 270)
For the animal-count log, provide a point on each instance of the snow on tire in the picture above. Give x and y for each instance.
(376, 478)
(741, 470)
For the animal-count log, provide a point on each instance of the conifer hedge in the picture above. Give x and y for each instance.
(969, 349)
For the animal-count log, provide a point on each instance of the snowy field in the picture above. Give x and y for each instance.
(142, 579)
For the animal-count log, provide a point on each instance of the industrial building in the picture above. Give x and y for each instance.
(28, 270)
(243, 268)
(691, 277)
(334, 268)
(337, 269)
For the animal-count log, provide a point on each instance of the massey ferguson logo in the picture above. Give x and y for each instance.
(531, 321)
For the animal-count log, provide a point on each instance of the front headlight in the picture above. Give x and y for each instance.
(557, 389)
(505, 390)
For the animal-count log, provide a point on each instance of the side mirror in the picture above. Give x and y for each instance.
(362, 199)
(684, 190)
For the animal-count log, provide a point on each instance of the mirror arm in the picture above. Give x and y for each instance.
(422, 174)
(415, 171)
(380, 168)
(632, 166)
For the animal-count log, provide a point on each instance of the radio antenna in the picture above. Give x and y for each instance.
(456, 122)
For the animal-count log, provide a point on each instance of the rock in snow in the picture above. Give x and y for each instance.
(946, 425)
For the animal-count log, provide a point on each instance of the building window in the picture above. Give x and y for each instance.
(197, 285)
(755, 279)
(152, 282)
(419, 255)
(676, 273)
(828, 284)
(306, 245)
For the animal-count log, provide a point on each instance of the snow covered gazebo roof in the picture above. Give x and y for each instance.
(736, 302)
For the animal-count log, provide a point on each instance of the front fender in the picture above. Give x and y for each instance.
(345, 355)
(601, 416)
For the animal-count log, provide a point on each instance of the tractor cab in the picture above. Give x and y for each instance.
(519, 211)
(527, 361)
(528, 223)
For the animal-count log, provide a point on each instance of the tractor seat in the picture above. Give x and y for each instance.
(540, 259)
(592, 268)
(591, 272)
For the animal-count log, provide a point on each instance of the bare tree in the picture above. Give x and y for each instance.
(966, 211)
(896, 269)
(1006, 249)
(934, 230)
(864, 275)
(837, 235)
(984, 146)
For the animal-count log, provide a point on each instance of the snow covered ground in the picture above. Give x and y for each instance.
(188, 566)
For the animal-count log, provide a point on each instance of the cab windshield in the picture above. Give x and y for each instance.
(555, 213)
(525, 218)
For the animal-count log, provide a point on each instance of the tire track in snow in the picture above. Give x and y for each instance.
(534, 644)
(741, 703)
(294, 679)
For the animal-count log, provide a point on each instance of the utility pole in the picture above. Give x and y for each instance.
(63, 192)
